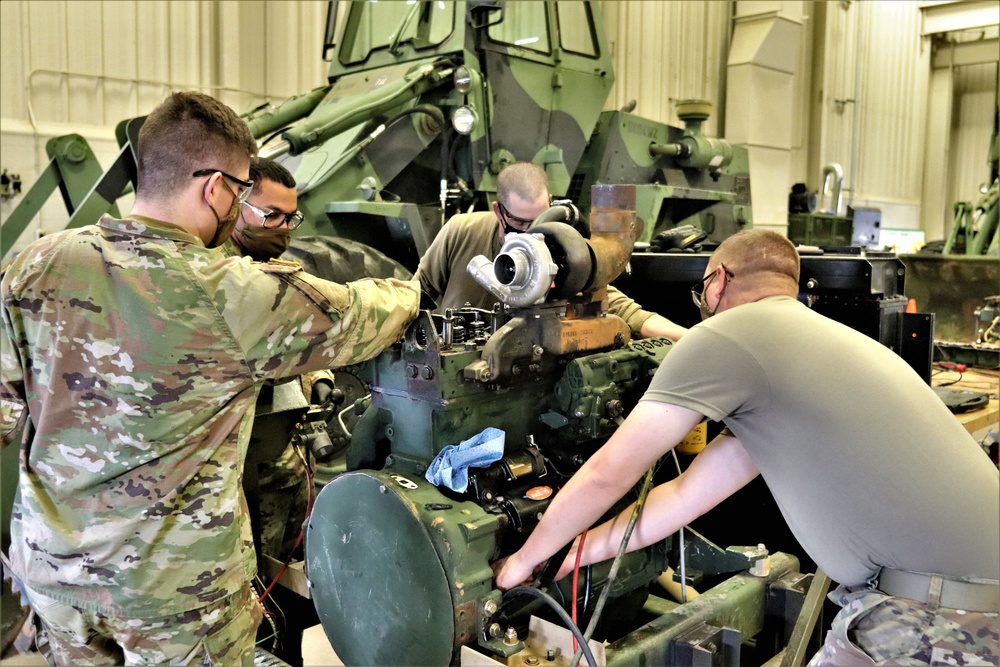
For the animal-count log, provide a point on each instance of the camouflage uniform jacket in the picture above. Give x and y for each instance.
(138, 354)
(443, 277)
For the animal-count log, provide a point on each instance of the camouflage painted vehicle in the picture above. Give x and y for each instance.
(428, 101)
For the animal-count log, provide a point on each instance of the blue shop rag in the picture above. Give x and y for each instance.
(451, 466)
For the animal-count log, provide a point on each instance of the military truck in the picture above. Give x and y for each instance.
(428, 101)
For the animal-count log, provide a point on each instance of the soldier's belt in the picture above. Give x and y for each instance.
(953, 594)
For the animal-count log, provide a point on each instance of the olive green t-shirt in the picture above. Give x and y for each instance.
(868, 466)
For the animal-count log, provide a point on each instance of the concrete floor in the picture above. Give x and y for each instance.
(316, 649)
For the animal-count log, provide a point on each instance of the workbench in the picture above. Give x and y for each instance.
(982, 419)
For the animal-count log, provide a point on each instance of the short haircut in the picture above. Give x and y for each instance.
(264, 169)
(524, 179)
(189, 131)
(753, 251)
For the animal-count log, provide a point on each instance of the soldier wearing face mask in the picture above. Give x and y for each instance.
(133, 352)
(263, 226)
(262, 232)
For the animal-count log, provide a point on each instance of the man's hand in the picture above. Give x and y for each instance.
(515, 573)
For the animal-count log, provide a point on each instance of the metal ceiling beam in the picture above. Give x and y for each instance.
(967, 53)
(951, 16)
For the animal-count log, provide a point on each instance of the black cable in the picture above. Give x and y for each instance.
(562, 597)
(274, 134)
(616, 563)
(951, 382)
(563, 616)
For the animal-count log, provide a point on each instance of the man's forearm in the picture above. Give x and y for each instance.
(649, 431)
(719, 471)
(657, 325)
(575, 508)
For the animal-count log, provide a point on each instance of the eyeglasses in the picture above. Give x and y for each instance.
(275, 219)
(698, 290)
(510, 216)
(245, 186)
(507, 215)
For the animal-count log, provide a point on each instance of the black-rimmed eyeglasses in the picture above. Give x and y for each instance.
(698, 290)
(506, 218)
(245, 186)
(275, 219)
(505, 212)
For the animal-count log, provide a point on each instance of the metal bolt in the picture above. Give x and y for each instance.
(537, 350)
(550, 655)
(510, 637)
(761, 547)
(495, 630)
(531, 661)
(615, 407)
(489, 607)
(411, 370)
(427, 372)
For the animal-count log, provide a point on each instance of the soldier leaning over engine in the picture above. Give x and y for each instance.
(522, 195)
(132, 355)
(879, 483)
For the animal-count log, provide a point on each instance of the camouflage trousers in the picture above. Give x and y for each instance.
(222, 634)
(284, 500)
(873, 628)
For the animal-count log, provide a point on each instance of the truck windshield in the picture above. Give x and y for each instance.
(525, 24)
(371, 26)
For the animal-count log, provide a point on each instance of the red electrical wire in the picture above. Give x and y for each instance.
(576, 579)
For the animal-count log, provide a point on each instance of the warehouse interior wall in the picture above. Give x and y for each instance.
(860, 86)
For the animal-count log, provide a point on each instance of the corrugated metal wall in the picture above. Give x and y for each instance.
(972, 124)
(874, 112)
(668, 51)
(99, 61)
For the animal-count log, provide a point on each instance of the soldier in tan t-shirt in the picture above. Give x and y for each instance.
(522, 195)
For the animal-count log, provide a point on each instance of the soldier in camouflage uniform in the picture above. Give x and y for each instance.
(522, 195)
(263, 232)
(132, 355)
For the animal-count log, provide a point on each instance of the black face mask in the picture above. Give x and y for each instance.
(506, 227)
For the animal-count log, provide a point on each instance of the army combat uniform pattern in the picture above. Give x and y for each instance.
(139, 354)
(283, 488)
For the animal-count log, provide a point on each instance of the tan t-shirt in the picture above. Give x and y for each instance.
(868, 466)
(443, 276)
